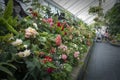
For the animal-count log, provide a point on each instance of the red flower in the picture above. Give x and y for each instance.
(47, 59)
(58, 24)
(58, 40)
(50, 70)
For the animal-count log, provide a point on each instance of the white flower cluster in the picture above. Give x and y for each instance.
(24, 53)
(17, 42)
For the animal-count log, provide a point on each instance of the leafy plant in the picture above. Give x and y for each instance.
(5, 69)
(112, 19)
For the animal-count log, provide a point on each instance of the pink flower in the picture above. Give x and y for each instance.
(63, 47)
(49, 20)
(30, 32)
(64, 56)
(58, 40)
(76, 54)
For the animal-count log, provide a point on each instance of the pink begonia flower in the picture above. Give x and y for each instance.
(63, 47)
(64, 56)
(58, 40)
(76, 54)
(30, 32)
(49, 20)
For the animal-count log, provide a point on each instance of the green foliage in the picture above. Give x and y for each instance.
(6, 37)
(8, 10)
(60, 76)
(95, 9)
(113, 19)
(67, 67)
(117, 37)
(6, 26)
(5, 69)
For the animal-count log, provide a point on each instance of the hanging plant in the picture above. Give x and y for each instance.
(96, 19)
(95, 9)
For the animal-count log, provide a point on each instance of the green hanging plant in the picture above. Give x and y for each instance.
(95, 9)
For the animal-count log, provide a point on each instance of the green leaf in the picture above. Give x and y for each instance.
(8, 10)
(9, 27)
(3, 63)
(30, 65)
(68, 67)
(50, 65)
(6, 70)
(6, 37)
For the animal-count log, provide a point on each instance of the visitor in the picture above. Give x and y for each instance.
(98, 35)
(106, 35)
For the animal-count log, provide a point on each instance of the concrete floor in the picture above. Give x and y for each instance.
(104, 63)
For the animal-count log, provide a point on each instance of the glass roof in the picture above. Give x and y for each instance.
(80, 7)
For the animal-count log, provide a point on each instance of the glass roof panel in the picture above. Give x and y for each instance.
(80, 7)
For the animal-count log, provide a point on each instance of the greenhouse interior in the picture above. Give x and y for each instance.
(59, 39)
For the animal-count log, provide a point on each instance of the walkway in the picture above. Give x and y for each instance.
(104, 63)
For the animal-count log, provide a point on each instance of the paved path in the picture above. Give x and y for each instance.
(104, 63)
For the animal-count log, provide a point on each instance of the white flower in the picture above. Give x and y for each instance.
(35, 25)
(25, 46)
(24, 54)
(25, 19)
(20, 54)
(17, 42)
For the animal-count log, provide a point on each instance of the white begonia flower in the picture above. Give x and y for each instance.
(25, 46)
(24, 54)
(17, 42)
(20, 54)
(35, 25)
